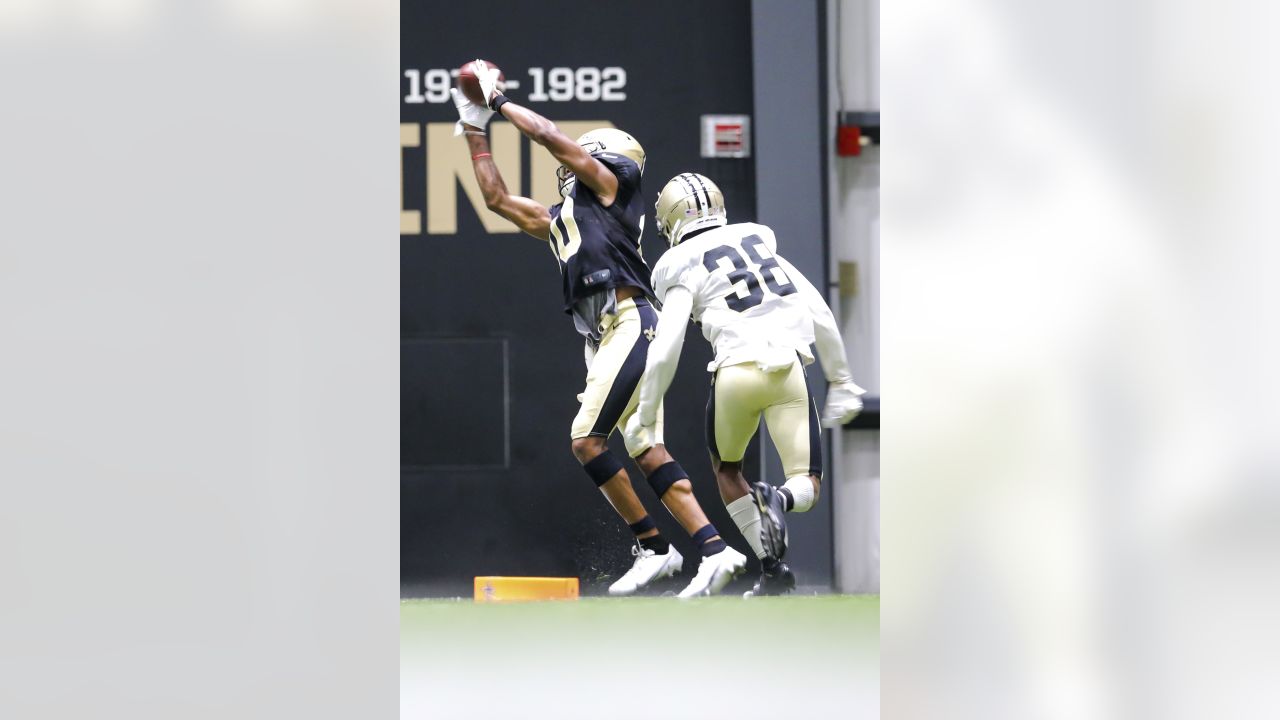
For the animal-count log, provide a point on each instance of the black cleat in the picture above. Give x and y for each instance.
(773, 523)
(777, 579)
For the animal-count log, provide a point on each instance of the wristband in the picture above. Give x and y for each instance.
(498, 101)
(475, 132)
(477, 156)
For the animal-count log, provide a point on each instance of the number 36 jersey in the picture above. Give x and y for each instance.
(751, 303)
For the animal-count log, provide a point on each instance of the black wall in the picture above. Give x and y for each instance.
(490, 364)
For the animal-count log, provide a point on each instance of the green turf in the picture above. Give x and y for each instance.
(829, 613)
(570, 659)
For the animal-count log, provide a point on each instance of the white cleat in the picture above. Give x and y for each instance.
(649, 566)
(715, 572)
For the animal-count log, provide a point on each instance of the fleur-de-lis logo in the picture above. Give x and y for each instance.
(650, 333)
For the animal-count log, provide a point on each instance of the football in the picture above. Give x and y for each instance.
(469, 84)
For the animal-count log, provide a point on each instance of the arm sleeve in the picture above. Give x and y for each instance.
(826, 334)
(664, 352)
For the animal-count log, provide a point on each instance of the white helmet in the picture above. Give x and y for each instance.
(688, 202)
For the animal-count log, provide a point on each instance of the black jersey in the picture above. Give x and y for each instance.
(597, 247)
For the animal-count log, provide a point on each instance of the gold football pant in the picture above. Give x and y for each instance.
(740, 394)
(613, 380)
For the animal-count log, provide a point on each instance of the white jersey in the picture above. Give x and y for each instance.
(746, 302)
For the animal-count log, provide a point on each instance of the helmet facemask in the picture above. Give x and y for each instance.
(565, 179)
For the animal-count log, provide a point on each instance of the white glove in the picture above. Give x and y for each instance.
(470, 113)
(638, 435)
(844, 402)
(489, 85)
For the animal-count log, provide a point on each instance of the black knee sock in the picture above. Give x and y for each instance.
(656, 543)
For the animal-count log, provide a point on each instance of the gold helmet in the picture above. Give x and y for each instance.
(603, 140)
(688, 202)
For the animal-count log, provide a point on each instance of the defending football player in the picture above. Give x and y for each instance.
(761, 315)
(594, 234)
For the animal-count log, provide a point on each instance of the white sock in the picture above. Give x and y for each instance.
(746, 516)
(801, 487)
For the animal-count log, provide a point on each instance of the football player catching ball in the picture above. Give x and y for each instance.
(594, 234)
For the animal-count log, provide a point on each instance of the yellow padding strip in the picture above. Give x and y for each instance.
(516, 589)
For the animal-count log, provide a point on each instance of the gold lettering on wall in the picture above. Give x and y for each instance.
(449, 163)
(410, 220)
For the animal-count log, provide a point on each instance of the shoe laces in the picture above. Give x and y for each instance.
(640, 555)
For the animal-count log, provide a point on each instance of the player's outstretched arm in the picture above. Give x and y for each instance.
(527, 214)
(586, 169)
(537, 128)
(844, 397)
